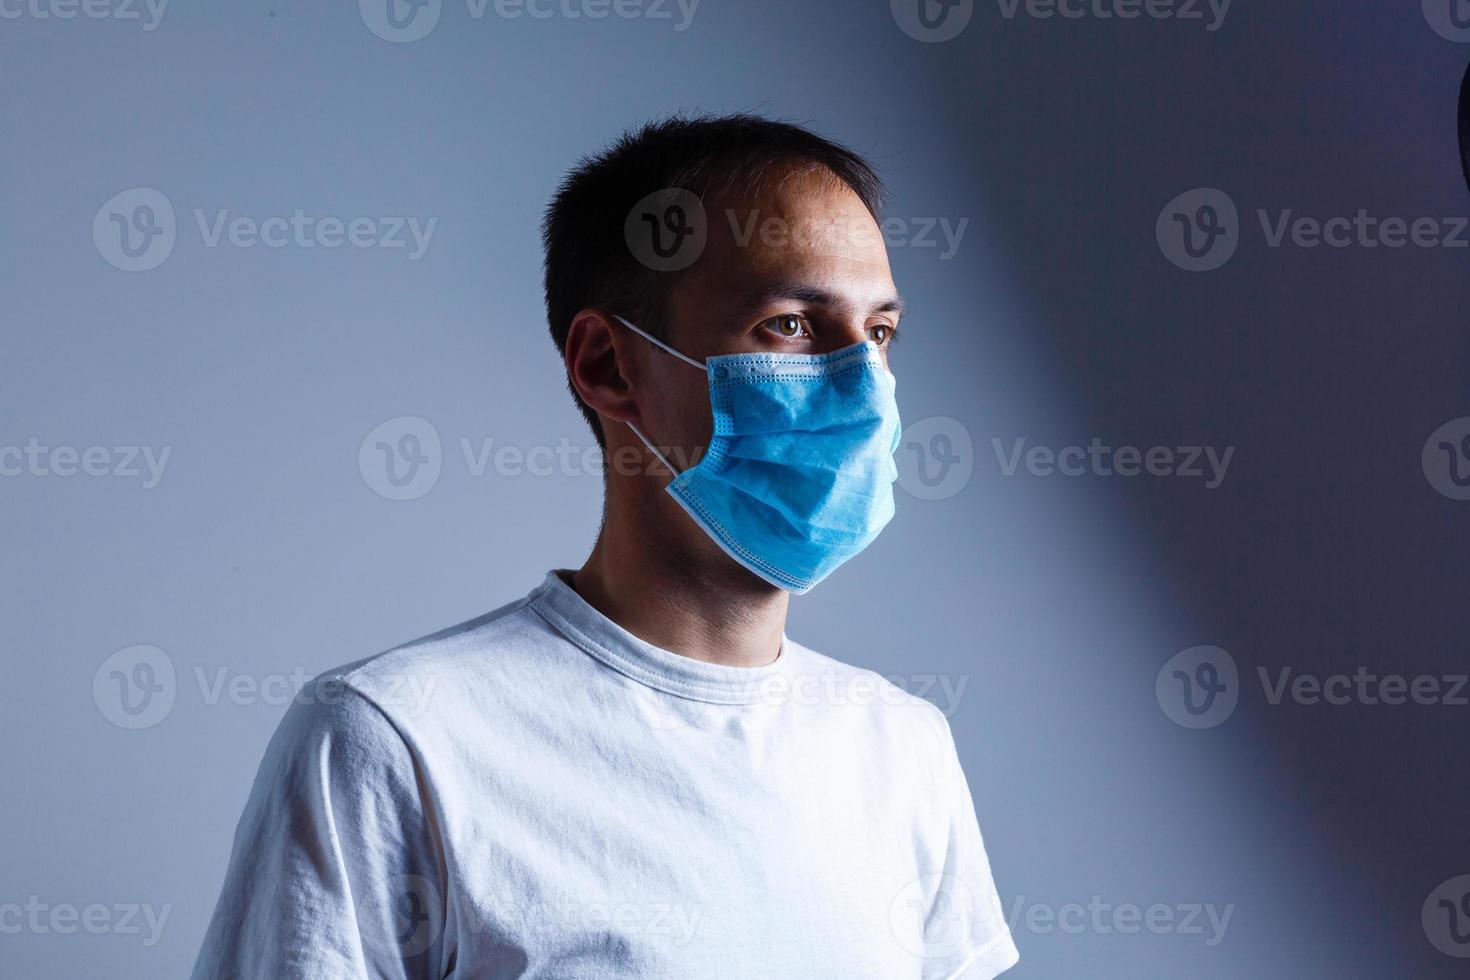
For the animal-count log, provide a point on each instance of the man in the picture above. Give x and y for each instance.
(632, 772)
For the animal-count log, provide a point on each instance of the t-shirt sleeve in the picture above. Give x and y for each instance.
(965, 931)
(335, 871)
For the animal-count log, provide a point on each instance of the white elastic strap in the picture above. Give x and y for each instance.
(683, 357)
(659, 343)
(653, 449)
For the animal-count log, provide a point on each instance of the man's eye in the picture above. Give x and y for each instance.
(882, 333)
(788, 326)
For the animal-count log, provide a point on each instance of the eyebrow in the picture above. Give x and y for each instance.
(795, 289)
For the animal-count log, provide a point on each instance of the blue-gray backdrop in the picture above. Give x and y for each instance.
(1181, 547)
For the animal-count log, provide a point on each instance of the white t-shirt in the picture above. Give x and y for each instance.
(538, 793)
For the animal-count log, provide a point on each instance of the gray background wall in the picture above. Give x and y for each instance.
(1051, 603)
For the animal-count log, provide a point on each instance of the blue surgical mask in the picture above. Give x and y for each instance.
(798, 476)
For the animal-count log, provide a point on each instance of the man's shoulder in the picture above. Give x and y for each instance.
(896, 702)
(411, 680)
(459, 647)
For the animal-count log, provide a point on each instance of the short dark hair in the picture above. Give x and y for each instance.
(588, 261)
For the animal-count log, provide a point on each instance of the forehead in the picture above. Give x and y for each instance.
(795, 226)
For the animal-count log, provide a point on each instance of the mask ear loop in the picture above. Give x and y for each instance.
(659, 343)
(652, 448)
(683, 357)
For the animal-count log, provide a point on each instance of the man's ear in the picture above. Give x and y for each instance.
(599, 366)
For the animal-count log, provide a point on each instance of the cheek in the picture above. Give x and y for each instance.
(684, 413)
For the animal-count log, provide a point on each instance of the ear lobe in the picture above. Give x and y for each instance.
(596, 366)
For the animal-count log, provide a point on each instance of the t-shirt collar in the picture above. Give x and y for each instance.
(567, 612)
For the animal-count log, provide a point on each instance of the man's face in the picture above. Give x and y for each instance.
(798, 268)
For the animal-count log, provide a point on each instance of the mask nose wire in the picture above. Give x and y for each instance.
(683, 357)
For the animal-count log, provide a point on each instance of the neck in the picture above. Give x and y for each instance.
(706, 607)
